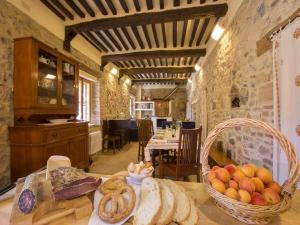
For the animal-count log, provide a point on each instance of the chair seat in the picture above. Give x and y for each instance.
(112, 138)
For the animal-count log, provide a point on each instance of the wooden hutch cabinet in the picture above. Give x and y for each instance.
(45, 87)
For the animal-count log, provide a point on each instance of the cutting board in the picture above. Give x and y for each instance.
(49, 211)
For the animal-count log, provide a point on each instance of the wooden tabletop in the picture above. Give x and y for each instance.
(209, 213)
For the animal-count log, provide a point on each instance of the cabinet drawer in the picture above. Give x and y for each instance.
(65, 133)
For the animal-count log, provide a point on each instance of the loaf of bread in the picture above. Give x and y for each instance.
(168, 204)
(150, 204)
(194, 215)
(182, 212)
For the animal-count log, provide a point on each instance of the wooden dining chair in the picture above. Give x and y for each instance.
(145, 132)
(188, 156)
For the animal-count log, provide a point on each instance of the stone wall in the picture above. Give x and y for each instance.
(234, 70)
(114, 97)
(15, 24)
(178, 99)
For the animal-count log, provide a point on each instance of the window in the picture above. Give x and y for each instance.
(84, 99)
(132, 106)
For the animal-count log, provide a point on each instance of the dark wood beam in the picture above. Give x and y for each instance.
(96, 42)
(87, 7)
(189, 1)
(112, 39)
(120, 38)
(155, 35)
(149, 4)
(202, 1)
(216, 10)
(103, 39)
(159, 80)
(153, 55)
(124, 6)
(175, 34)
(210, 30)
(125, 32)
(101, 7)
(163, 30)
(183, 32)
(75, 8)
(69, 35)
(176, 3)
(137, 36)
(168, 70)
(202, 32)
(84, 35)
(196, 24)
(111, 7)
(53, 9)
(147, 36)
(63, 9)
(161, 4)
(137, 5)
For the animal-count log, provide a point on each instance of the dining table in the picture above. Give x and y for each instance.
(209, 213)
(163, 139)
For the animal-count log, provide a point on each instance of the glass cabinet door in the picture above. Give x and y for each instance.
(47, 79)
(68, 84)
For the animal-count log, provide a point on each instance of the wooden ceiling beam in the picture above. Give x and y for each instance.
(78, 11)
(197, 12)
(168, 70)
(111, 7)
(203, 29)
(196, 24)
(96, 42)
(63, 9)
(149, 4)
(137, 36)
(137, 5)
(147, 36)
(101, 7)
(184, 28)
(153, 55)
(87, 7)
(121, 39)
(155, 35)
(163, 30)
(103, 39)
(175, 34)
(176, 3)
(125, 32)
(161, 4)
(113, 40)
(124, 6)
(53, 9)
(215, 10)
(160, 80)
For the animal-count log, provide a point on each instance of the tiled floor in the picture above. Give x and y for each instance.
(109, 163)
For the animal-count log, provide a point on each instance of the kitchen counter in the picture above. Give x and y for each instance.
(209, 213)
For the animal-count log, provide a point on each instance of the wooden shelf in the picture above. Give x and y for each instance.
(47, 65)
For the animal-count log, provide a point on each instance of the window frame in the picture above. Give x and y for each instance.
(83, 80)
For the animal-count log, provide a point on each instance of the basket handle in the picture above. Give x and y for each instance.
(287, 146)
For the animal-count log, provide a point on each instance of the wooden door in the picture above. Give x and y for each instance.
(79, 151)
(161, 108)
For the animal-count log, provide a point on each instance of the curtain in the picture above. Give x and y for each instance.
(286, 67)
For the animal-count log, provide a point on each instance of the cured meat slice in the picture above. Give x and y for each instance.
(28, 197)
(69, 182)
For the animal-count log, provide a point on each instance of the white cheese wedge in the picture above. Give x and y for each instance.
(56, 161)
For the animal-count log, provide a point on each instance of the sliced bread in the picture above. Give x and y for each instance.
(168, 204)
(182, 201)
(150, 203)
(194, 215)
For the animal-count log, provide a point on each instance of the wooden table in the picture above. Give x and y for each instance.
(209, 213)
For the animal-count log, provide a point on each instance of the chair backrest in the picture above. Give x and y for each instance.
(145, 130)
(189, 146)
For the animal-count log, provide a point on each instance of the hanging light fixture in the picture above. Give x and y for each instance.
(197, 67)
(114, 71)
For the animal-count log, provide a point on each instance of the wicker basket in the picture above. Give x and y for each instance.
(248, 213)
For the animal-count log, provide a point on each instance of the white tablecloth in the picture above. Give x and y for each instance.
(162, 140)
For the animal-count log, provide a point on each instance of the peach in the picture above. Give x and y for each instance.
(258, 199)
(218, 185)
(275, 186)
(231, 193)
(237, 175)
(254, 167)
(259, 185)
(215, 168)
(248, 170)
(230, 168)
(244, 196)
(271, 196)
(233, 184)
(247, 185)
(211, 175)
(264, 175)
(223, 175)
